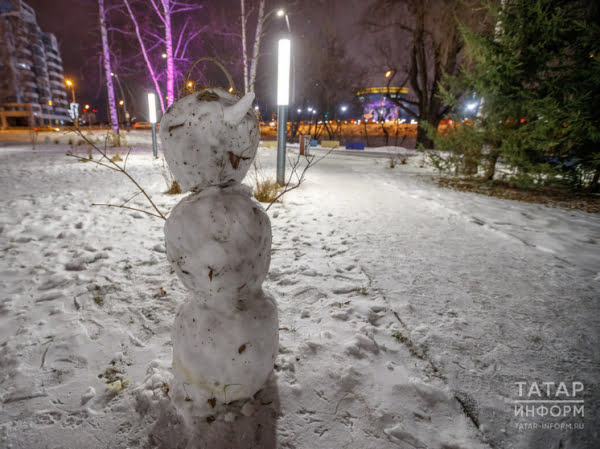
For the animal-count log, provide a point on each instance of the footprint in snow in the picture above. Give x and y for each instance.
(47, 418)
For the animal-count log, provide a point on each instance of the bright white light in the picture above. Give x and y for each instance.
(152, 107)
(344, 108)
(413, 122)
(280, 13)
(314, 111)
(471, 106)
(164, 55)
(283, 73)
(256, 108)
(309, 109)
(112, 74)
(299, 110)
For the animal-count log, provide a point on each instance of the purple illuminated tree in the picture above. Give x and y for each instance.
(171, 46)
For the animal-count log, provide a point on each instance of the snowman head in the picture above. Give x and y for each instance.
(210, 138)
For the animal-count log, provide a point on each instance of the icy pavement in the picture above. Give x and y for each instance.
(407, 312)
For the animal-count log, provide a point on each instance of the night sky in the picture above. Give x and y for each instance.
(75, 24)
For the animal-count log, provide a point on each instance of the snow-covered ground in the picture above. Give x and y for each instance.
(407, 312)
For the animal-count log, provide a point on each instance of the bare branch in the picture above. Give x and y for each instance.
(117, 167)
(132, 197)
(130, 208)
(126, 157)
(85, 159)
(299, 178)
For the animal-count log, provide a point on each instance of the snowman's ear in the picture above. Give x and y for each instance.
(235, 113)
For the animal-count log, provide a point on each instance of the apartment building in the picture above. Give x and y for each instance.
(32, 85)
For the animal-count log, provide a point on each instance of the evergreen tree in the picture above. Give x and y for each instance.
(538, 75)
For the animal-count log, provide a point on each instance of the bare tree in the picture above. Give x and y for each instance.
(112, 105)
(434, 49)
(251, 61)
(172, 45)
(327, 75)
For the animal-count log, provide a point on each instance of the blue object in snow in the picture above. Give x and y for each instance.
(314, 143)
(355, 145)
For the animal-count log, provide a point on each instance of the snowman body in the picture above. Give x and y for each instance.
(218, 240)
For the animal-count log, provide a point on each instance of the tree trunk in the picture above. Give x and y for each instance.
(244, 45)
(256, 49)
(490, 169)
(112, 105)
(146, 57)
(169, 44)
(594, 186)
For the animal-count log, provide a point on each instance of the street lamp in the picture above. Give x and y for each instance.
(72, 86)
(74, 105)
(283, 99)
(152, 118)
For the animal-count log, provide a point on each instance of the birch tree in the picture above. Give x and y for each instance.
(434, 49)
(112, 105)
(174, 44)
(251, 62)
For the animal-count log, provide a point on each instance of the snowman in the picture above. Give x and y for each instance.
(218, 240)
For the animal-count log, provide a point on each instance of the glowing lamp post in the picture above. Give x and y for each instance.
(283, 99)
(74, 105)
(152, 118)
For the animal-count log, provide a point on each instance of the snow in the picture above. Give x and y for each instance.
(407, 312)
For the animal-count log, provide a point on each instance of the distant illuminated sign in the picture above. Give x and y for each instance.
(74, 110)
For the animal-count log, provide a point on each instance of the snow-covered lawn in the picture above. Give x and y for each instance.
(407, 312)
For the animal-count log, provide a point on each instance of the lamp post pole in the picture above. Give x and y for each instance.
(74, 108)
(283, 97)
(152, 118)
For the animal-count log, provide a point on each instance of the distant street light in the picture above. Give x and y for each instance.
(344, 108)
(283, 99)
(121, 102)
(152, 119)
(74, 105)
(72, 86)
(164, 56)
